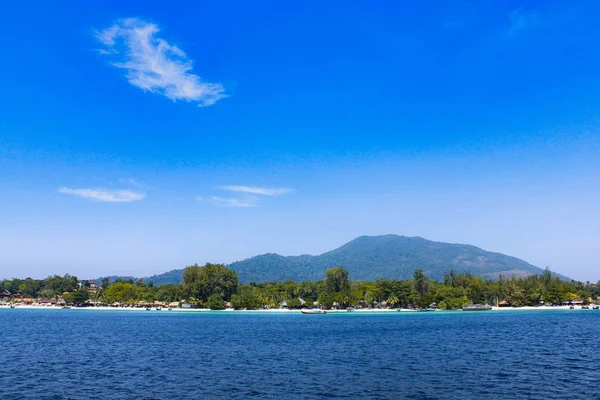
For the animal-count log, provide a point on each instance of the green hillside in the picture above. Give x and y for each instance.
(375, 257)
(385, 257)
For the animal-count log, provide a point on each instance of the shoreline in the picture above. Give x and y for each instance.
(288, 311)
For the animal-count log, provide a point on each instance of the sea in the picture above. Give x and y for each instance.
(83, 354)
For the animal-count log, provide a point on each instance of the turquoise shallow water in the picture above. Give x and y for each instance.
(76, 354)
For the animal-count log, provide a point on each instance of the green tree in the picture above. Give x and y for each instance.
(547, 277)
(392, 301)
(191, 274)
(169, 293)
(29, 287)
(422, 287)
(325, 299)
(247, 297)
(215, 302)
(78, 297)
(294, 303)
(121, 292)
(203, 282)
(336, 280)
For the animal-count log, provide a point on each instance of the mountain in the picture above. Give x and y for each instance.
(376, 257)
(385, 257)
(172, 277)
(168, 278)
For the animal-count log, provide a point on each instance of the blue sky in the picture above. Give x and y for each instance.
(138, 137)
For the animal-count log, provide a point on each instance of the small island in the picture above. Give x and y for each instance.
(217, 287)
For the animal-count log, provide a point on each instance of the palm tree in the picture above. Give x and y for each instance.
(393, 301)
(347, 300)
(97, 296)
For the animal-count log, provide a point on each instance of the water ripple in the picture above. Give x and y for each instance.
(92, 355)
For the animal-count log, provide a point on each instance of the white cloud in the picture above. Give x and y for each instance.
(249, 196)
(229, 202)
(133, 182)
(109, 196)
(153, 64)
(258, 190)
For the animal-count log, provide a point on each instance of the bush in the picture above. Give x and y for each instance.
(215, 302)
(294, 303)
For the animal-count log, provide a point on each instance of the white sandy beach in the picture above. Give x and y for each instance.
(280, 310)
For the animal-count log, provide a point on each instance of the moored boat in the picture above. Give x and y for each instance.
(477, 307)
(313, 311)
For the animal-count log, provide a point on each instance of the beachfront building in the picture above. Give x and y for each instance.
(90, 284)
(573, 302)
(5, 297)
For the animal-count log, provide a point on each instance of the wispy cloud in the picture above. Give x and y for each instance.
(109, 196)
(262, 191)
(152, 64)
(521, 19)
(248, 196)
(229, 202)
(132, 182)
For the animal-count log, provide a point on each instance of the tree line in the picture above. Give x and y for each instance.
(214, 286)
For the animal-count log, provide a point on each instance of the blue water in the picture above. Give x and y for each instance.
(77, 354)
